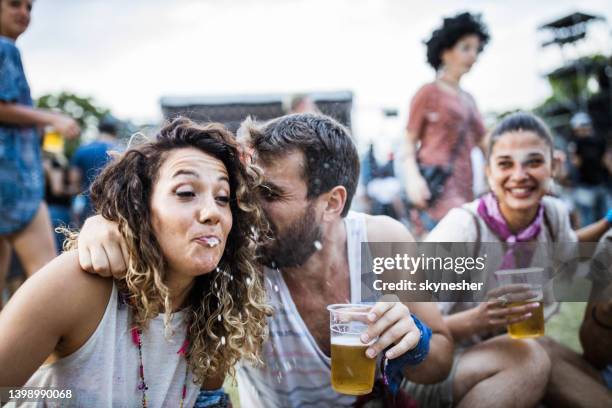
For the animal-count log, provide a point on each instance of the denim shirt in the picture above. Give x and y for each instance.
(21, 173)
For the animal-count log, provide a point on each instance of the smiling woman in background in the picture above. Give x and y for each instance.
(490, 368)
(191, 303)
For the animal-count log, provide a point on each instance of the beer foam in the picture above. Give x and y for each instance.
(347, 341)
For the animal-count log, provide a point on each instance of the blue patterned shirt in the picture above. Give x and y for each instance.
(21, 173)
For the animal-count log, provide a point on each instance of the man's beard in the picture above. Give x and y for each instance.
(295, 245)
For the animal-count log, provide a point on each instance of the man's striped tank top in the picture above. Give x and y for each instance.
(296, 373)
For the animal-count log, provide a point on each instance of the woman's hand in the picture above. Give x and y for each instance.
(416, 187)
(417, 190)
(495, 313)
(102, 249)
(65, 125)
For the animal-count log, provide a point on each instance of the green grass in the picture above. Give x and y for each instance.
(564, 326)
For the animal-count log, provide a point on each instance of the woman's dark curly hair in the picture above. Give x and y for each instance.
(452, 30)
(227, 307)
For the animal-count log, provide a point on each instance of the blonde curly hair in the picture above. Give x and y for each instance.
(227, 307)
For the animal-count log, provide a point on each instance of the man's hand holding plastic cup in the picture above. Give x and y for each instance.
(392, 324)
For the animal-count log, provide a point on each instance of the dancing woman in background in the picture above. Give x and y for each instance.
(444, 123)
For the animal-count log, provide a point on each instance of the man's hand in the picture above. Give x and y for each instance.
(392, 324)
(102, 249)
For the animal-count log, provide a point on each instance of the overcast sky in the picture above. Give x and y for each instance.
(129, 53)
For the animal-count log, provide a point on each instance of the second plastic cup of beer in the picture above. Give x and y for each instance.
(534, 326)
(352, 371)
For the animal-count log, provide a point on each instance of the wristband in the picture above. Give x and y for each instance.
(609, 216)
(393, 370)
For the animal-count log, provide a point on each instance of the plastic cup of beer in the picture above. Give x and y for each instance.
(352, 371)
(53, 141)
(533, 278)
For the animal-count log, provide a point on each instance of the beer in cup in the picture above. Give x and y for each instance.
(53, 141)
(533, 277)
(352, 371)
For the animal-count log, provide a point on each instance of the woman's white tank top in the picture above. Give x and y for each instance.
(104, 371)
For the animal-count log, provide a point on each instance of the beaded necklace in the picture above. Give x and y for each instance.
(142, 386)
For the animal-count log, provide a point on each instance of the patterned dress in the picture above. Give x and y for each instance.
(438, 117)
(21, 173)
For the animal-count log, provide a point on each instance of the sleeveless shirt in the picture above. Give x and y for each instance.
(104, 371)
(296, 373)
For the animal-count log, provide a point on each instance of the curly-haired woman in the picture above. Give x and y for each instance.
(445, 121)
(192, 302)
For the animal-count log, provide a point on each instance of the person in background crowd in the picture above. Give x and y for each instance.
(192, 302)
(586, 380)
(382, 188)
(301, 103)
(491, 369)
(24, 217)
(444, 124)
(89, 159)
(59, 191)
(311, 170)
(590, 176)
